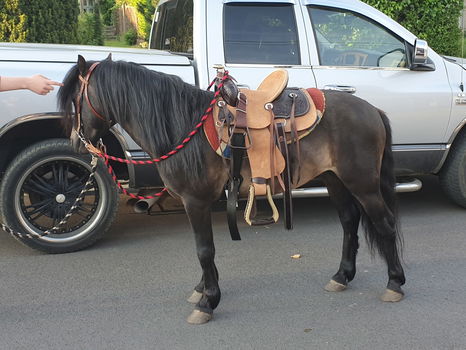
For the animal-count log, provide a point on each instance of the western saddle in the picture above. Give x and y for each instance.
(263, 123)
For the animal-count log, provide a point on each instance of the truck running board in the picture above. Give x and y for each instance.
(142, 206)
(411, 186)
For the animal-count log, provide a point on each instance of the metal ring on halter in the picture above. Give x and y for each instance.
(268, 106)
(221, 103)
(101, 146)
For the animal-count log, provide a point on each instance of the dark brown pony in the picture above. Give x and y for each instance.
(350, 151)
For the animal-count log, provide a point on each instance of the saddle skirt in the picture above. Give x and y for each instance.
(272, 90)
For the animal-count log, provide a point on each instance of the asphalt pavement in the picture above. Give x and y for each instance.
(129, 290)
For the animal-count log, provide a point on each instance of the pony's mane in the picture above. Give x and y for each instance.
(157, 109)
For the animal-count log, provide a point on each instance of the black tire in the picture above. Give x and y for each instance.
(452, 177)
(39, 187)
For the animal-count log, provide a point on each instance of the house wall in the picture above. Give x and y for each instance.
(86, 5)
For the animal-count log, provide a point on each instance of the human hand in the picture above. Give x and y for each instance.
(40, 84)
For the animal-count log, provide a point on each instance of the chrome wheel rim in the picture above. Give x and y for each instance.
(47, 190)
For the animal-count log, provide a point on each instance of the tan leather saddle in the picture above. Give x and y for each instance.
(259, 115)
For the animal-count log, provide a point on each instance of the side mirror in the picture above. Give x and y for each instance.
(420, 52)
(420, 60)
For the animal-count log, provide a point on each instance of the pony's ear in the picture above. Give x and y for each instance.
(109, 57)
(81, 65)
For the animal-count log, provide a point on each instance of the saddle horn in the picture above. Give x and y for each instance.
(229, 92)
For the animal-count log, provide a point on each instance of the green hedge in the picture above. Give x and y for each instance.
(40, 21)
(90, 28)
(433, 20)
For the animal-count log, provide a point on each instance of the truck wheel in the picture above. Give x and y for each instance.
(39, 187)
(453, 174)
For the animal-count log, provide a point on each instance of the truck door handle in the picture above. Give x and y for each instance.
(344, 88)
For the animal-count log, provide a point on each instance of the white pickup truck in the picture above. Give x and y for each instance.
(329, 44)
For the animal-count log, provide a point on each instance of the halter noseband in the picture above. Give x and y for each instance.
(78, 106)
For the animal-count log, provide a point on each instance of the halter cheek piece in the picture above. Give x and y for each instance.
(83, 94)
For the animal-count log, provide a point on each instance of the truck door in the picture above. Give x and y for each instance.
(359, 55)
(256, 38)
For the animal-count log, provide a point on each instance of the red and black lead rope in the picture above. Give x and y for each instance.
(175, 150)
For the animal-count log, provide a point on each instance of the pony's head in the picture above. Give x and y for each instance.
(80, 104)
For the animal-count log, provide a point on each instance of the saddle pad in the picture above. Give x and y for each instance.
(318, 98)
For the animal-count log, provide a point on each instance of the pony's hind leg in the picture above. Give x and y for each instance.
(349, 215)
(382, 234)
(199, 215)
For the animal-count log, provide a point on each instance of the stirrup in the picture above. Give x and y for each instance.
(263, 221)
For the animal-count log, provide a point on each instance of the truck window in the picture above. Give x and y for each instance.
(347, 39)
(173, 27)
(260, 33)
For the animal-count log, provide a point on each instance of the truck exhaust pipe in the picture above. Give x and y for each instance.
(144, 205)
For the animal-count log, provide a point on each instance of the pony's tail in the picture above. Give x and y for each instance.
(374, 238)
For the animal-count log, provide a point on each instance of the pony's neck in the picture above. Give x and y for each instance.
(162, 129)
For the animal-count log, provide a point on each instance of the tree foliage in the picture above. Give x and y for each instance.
(433, 20)
(12, 22)
(40, 21)
(90, 28)
(107, 8)
(146, 10)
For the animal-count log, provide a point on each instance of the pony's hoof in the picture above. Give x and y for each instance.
(334, 286)
(391, 296)
(195, 297)
(199, 317)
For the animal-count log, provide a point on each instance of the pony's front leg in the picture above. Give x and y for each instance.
(197, 292)
(199, 214)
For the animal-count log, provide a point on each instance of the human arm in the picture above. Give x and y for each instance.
(36, 83)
